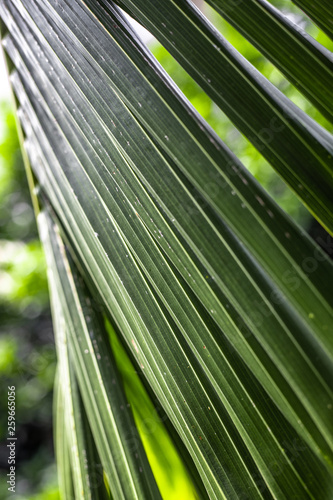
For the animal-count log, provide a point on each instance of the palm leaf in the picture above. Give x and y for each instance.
(286, 45)
(205, 278)
(74, 432)
(75, 435)
(171, 463)
(110, 418)
(320, 12)
(65, 479)
(193, 162)
(276, 127)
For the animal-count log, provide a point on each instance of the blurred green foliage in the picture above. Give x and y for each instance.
(16, 218)
(27, 354)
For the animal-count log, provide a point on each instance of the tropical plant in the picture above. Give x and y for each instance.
(152, 225)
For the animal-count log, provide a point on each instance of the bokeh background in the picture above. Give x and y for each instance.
(27, 354)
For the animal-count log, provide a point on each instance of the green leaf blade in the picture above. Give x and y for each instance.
(305, 63)
(282, 133)
(320, 12)
(101, 388)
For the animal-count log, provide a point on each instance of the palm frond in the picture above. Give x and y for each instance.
(223, 303)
